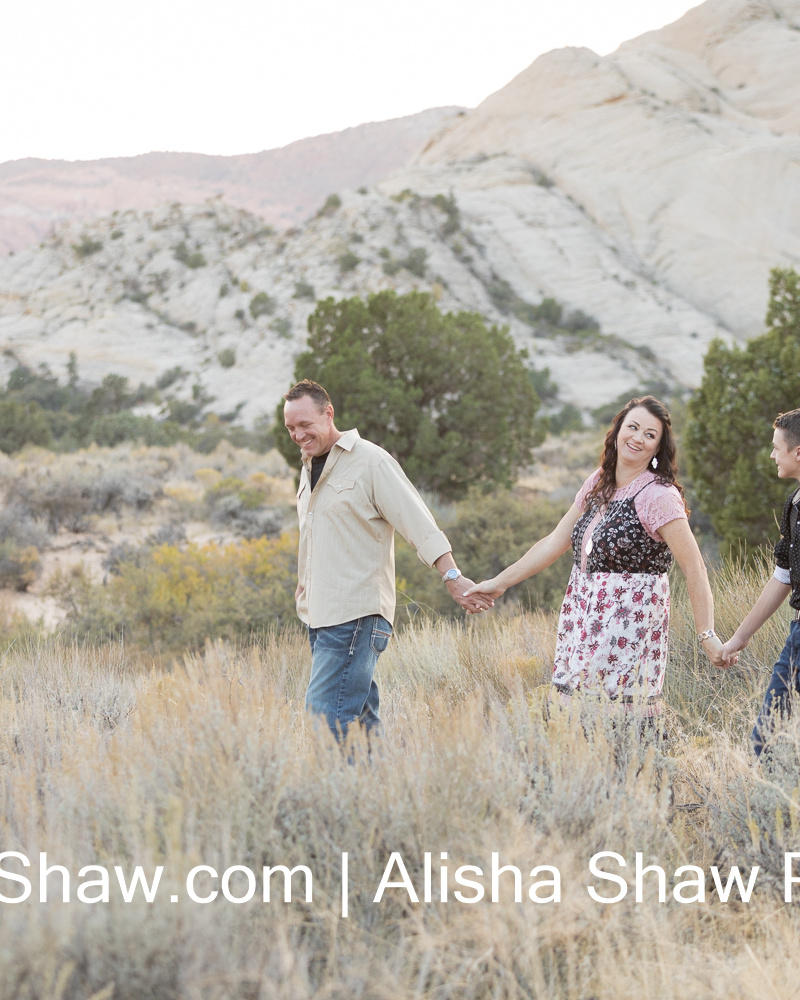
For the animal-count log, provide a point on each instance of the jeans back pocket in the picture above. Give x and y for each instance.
(381, 634)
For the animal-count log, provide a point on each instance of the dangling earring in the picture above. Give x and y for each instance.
(654, 463)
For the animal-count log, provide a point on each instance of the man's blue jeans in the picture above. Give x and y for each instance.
(783, 684)
(343, 659)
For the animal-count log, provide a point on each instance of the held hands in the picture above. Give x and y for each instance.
(713, 649)
(462, 592)
(731, 650)
(723, 655)
(488, 589)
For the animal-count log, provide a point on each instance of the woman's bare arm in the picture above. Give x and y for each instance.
(538, 557)
(678, 535)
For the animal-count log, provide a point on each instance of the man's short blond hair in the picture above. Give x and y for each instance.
(308, 388)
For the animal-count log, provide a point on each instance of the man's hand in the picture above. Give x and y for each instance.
(298, 590)
(473, 604)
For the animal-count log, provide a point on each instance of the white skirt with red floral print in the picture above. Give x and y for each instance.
(612, 634)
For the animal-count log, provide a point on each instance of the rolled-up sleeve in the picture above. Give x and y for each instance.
(398, 503)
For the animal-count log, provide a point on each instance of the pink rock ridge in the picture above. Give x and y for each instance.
(284, 185)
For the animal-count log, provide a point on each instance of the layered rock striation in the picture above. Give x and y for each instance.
(682, 148)
(616, 213)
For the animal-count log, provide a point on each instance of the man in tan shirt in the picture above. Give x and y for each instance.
(352, 497)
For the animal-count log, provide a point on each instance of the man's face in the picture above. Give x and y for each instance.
(785, 455)
(309, 427)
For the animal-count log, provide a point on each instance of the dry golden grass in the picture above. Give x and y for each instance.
(108, 759)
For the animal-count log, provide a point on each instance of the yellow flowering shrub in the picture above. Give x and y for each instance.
(169, 598)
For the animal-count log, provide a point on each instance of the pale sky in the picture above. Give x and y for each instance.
(82, 79)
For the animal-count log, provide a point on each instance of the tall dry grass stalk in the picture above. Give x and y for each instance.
(106, 759)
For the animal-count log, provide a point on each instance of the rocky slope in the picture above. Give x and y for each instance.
(682, 148)
(284, 186)
(212, 291)
(648, 192)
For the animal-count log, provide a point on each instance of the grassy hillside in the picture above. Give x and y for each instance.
(108, 760)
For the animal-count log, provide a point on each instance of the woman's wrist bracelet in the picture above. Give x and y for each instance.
(708, 634)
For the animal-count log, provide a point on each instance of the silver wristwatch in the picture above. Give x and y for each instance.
(451, 574)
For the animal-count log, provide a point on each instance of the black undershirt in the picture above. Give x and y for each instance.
(317, 465)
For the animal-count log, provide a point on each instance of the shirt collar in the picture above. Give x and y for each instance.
(345, 442)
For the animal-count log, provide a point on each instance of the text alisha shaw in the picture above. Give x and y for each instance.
(610, 879)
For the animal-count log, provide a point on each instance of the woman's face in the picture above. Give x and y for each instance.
(639, 437)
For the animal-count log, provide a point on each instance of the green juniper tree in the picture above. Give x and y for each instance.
(447, 396)
(22, 423)
(729, 434)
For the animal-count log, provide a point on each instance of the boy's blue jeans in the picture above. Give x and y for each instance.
(343, 659)
(783, 684)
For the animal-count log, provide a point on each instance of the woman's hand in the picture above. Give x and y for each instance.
(489, 587)
(481, 602)
(715, 651)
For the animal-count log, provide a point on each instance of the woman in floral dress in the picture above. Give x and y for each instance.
(628, 521)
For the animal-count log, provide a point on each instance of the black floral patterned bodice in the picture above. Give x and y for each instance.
(620, 543)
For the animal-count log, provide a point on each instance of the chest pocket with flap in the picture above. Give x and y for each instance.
(339, 497)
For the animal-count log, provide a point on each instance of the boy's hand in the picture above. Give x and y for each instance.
(731, 650)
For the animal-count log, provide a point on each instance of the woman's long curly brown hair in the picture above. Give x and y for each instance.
(603, 490)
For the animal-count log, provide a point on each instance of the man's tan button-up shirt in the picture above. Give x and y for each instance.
(347, 525)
